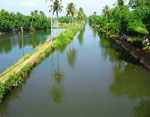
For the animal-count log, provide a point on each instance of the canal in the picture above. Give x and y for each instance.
(13, 46)
(88, 78)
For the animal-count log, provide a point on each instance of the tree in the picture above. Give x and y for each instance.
(71, 10)
(81, 15)
(138, 3)
(106, 10)
(42, 14)
(33, 16)
(120, 2)
(56, 7)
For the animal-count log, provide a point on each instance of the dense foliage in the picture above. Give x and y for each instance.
(131, 19)
(11, 21)
(73, 15)
(125, 18)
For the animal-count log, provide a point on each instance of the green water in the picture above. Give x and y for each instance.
(13, 46)
(88, 78)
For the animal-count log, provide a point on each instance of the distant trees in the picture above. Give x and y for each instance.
(12, 22)
(73, 15)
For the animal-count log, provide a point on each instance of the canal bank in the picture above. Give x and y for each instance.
(88, 78)
(139, 55)
(15, 75)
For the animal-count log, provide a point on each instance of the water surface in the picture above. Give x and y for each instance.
(88, 78)
(13, 46)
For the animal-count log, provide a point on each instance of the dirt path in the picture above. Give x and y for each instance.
(31, 59)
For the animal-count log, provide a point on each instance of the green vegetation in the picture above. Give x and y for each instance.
(13, 22)
(73, 15)
(131, 19)
(14, 76)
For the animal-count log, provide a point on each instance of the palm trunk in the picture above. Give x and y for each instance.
(22, 40)
(51, 27)
(32, 22)
(57, 20)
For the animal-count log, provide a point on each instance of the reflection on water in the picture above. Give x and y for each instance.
(143, 109)
(128, 80)
(14, 46)
(71, 55)
(81, 35)
(89, 78)
(57, 90)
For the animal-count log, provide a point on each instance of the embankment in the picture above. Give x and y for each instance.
(14, 76)
(140, 55)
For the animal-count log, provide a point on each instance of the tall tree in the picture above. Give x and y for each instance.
(106, 10)
(81, 15)
(33, 16)
(120, 2)
(71, 10)
(56, 7)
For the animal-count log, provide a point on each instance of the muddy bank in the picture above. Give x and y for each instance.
(140, 55)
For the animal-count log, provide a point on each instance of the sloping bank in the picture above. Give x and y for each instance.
(15, 75)
(138, 54)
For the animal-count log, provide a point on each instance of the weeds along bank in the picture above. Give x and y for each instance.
(14, 76)
(133, 49)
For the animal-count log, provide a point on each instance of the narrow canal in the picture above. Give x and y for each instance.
(88, 78)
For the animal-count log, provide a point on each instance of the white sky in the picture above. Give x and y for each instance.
(26, 6)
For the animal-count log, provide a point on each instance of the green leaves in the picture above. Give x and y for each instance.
(10, 21)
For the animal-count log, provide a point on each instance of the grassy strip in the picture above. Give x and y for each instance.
(16, 79)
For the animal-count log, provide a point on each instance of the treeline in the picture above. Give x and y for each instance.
(131, 19)
(73, 15)
(9, 22)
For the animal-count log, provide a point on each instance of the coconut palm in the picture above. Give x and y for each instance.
(33, 16)
(81, 14)
(120, 2)
(42, 14)
(71, 10)
(106, 10)
(56, 7)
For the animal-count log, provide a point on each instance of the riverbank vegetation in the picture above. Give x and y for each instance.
(37, 20)
(14, 76)
(130, 19)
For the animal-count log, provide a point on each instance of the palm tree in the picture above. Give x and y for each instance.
(42, 14)
(56, 7)
(71, 10)
(33, 16)
(81, 14)
(106, 12)
(95, 13)
(120, 2)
